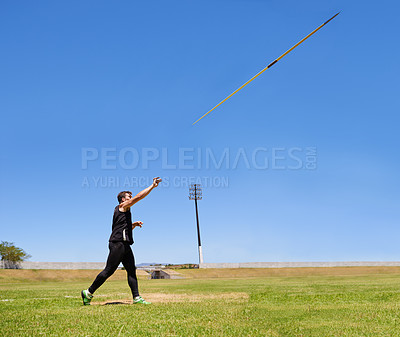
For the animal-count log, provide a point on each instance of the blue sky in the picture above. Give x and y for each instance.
(115, 78)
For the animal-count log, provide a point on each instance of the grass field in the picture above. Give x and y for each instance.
(235, 302)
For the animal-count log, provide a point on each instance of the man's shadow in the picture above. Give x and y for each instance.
(117, 303)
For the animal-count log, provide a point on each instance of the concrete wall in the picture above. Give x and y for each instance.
(101, 265)
(300, 264)
(62, 265)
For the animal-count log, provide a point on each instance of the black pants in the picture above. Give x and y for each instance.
(119, 252)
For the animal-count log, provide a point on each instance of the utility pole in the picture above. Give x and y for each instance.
(195, 193)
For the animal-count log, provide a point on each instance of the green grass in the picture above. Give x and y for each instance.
(318, 305)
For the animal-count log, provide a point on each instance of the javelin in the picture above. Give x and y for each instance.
(268, 66)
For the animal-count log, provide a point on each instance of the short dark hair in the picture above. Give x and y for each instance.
(122, 195)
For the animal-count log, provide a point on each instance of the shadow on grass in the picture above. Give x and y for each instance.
(121, 302)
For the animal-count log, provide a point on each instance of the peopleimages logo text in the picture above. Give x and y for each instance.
(190, 158)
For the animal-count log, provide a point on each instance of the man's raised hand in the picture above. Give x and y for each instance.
(156, 181)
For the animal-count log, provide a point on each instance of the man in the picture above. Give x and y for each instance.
(119, 244)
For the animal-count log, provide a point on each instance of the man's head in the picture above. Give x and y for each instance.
(123, 196)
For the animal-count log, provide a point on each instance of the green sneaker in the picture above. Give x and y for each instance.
(86, 297)
(140, 300)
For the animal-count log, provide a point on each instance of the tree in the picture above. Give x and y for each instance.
(11, 256)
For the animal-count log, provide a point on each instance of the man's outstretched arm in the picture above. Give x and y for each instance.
(141, 194)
